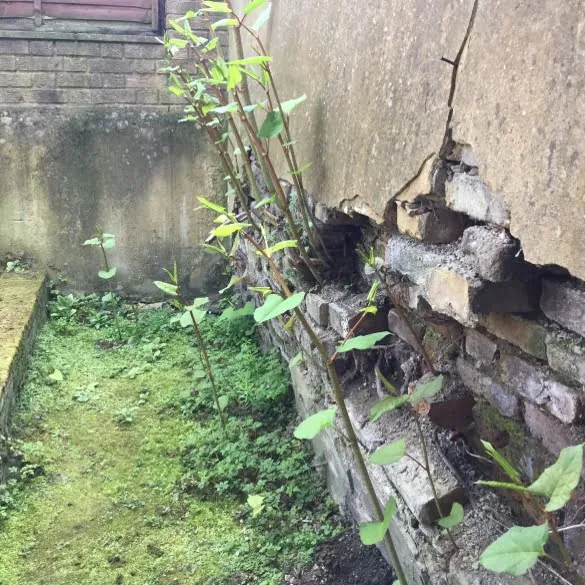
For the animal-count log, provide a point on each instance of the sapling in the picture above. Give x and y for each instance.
(519, 548)
(192, 315)
(107, 242)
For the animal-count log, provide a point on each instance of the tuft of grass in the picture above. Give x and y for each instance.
(129, 477)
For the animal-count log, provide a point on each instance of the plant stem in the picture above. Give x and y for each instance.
(427, 468)
(113, 301)
(406, 322)
(346, 420)
(279, 193)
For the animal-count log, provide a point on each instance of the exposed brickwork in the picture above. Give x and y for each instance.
(88, 72)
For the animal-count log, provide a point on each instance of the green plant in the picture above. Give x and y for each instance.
(107, 242)
(191, 317)
(17, 266)
(519, 548)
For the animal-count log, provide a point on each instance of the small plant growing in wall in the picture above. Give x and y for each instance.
(106, 242)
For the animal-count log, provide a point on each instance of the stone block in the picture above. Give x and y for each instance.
(554, 435)
(109, 80)
(112, 50)
(537, 386)
(139, 51)
(493, 252)
(7, 62)
(397, 326)
(15, 79)
(344, 314)
(13, 47)
(113, 96)
(442, 340)
(77, 49)
(468, 194)
(528, 335)
(28, 63)
(333, 216)
(75, 63)
(46, 48)
(448, 282)
(566, 357)
(482, 348)
(564, 303)
(72, 80)
(438, 226)
(507, 403)
(318, 309)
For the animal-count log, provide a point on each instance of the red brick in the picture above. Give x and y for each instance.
(75, 64)
(109, 80)
(7, 62)
(78, 97)
(113, 96)
(13, 47)
(39, 63)
(114, 50)
(11, 96)
(43, 80)
(72, 80)
(138, 51)
(44, 96)
(15, 79)
(45, 48)
(85, 49)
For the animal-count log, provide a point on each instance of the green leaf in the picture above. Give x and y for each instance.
(263, 18)
(296, 360)
(516, 551)
(257, 504)
(223, 231)
(92, 242)
(558, 481)
(252, 5)
(257, 60)
(57, 375)
(107, 274)
(233, 107)
(198, 302)
(210, 45)
(290, 105)
(233, 281)
(302, 169)
(176, 90)
(279, 246)
(231, 313)
(234, 76)
(272, 125)
(216, 6)
(224, 22)
(169, 289)
(373, 291)
(108, 241)
(108, 298)
(185, 320)
(454, 518)
(388, 454)
(427, 390)
(211, 205)
(502, 462)
(316, 423)
(362, 342)
(265, 201)
(386, 382)
(215, 249)
(374, 532)
(275, 305)
(223, 402)
(386, 405)
(371, 310)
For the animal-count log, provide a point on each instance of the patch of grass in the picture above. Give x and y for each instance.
(140, 483)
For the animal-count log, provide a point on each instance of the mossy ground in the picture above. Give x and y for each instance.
(110, 505)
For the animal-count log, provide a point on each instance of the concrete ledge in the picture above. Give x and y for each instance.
(23, 299)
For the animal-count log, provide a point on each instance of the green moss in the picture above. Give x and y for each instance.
(114, 438)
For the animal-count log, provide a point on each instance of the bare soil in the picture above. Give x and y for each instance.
(344, 561)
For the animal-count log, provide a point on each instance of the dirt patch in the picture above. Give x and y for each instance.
(344, 561)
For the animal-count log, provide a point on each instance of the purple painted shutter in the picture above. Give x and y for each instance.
(142, 11)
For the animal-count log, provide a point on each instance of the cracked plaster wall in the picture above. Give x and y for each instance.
(378, 104)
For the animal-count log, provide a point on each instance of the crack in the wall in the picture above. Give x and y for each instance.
(455, 64)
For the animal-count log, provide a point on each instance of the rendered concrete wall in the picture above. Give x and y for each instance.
(379, 104)
(132, 172)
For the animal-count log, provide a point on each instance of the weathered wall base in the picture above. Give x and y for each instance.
(23, 299)
(134, 172)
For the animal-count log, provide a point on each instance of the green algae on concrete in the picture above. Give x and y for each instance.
(22, 298)
(111, 427)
